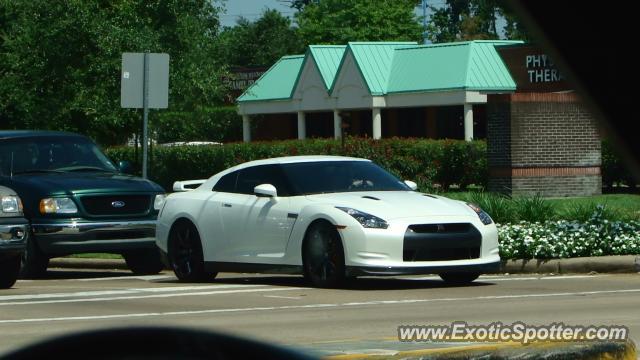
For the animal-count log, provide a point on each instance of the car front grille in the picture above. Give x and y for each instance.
(441, 242)
(115, 205)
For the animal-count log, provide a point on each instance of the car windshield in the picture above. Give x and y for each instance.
(52, 154)
(340, 176)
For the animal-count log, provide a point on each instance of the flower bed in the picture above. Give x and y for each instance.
(565, 239)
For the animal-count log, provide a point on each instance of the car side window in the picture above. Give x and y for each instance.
(227, 183)
(253, 176)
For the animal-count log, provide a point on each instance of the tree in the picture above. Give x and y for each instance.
(259, 43)
(460, 20)
(341, 21)
(60, 61)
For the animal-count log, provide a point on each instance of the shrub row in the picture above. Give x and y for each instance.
(428, 162)
(220, 124)
(614, 171)
(564, 239)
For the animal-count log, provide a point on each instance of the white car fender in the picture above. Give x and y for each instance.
(307, 216)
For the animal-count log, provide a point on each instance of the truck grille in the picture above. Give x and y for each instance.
(441, 242)
(116, 204)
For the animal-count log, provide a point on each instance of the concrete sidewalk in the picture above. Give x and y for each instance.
(601, 264)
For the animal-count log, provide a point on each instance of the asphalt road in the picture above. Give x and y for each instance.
(281, 309)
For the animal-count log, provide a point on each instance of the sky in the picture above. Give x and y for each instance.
(252, 9)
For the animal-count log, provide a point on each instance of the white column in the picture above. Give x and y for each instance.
(337, 124)
(376, 118)
(246, 128)
(468, 122)
(302, 126)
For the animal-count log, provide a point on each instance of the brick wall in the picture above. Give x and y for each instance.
(543, 143)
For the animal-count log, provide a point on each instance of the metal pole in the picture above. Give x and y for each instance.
(145, 118)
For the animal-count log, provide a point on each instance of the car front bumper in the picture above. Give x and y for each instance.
(13, 235)
(396, 250)
(481, 268)
(103, 236)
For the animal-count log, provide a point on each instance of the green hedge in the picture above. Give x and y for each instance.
(614, 171)
(427, 162)
(221, 124)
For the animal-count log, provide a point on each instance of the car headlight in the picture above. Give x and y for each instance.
(484, 217)
(158, 201)
(10, 204)
(366, 220)
(58, 206)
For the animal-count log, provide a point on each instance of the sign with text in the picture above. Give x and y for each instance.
(532, 69)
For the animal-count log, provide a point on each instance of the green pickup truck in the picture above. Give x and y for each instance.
(77, 201)
(13, 232)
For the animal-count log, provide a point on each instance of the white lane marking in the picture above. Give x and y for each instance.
(120, 292)
(283, 297)
(311, 306)
(145, 278)
(500, 278)
(138, 297)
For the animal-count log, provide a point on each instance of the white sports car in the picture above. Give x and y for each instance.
(327, 217)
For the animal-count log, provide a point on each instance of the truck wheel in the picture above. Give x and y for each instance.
(144, 262)
(34, 262)
(9, 270)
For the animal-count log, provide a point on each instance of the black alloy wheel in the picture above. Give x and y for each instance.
(323, 256)
(185, 254)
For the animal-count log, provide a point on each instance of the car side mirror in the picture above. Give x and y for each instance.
(125, 167)
(265, 190)
(411, 184)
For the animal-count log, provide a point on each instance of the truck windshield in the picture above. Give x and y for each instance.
(51, 154)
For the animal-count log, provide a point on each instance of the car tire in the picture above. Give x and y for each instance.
(144, 262)
(34, 262)
(459, 278)
(185, 254)
(323, 256)
(9, 271)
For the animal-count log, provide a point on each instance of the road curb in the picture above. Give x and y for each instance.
(505, 351)
(599, 264)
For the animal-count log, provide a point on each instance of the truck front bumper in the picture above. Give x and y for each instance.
(106, 236)
(13, 235)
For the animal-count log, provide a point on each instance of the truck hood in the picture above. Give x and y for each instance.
(390, 205)
(73, 183)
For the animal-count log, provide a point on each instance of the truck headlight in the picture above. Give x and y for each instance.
(366, 220)
(158, 201)
(10, 204)
(58, 206)
(484, 217)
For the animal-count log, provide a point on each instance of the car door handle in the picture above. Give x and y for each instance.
(226, 205)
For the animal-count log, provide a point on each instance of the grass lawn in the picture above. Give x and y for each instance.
(96, 256)
(626, 203)
(618, 206)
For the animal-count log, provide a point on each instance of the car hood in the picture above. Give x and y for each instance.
(395, 204)
(81, 183)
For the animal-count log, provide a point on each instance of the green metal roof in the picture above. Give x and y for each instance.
(374, 62)
(473, 65)
(327, 59)
(277, 83)
(394, 67)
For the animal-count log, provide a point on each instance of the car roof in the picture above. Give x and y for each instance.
(284, 160)
(13, 134)
(297, 159)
